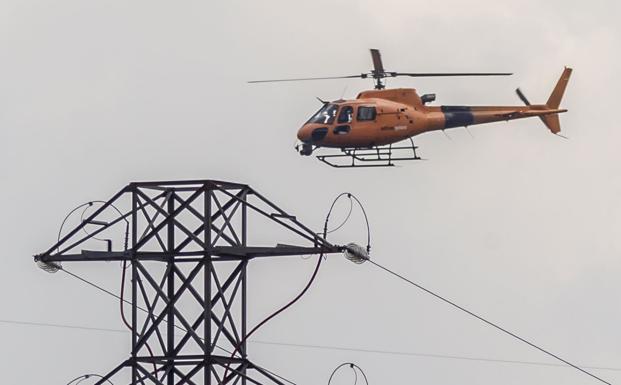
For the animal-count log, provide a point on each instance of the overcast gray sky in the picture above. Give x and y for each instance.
(515, 223)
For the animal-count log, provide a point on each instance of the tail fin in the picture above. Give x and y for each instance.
(554, 101)
(551, 120)
(557, 94)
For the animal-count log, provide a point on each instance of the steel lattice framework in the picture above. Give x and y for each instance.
(188, 245)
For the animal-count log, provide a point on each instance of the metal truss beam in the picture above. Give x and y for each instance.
(189, 244)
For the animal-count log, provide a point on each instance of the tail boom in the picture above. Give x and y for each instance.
(460, 116)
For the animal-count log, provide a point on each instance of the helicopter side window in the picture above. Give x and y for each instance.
(325, 115)
(346, 114)
(366, 113)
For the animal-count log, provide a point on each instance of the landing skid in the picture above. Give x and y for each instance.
(376, 156)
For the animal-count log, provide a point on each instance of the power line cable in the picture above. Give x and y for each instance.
(108, 292)
(83, 377)
(351, 208)
(77, 327)
(486, 321)
(358, 256)
(428, 355)
(325, 347)
(353, 367)
(301, 293)
(420, 287)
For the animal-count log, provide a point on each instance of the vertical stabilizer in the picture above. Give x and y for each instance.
(557, 94)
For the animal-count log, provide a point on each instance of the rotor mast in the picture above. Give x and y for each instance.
(378, 72)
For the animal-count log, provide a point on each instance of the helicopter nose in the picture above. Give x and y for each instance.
(305, 133)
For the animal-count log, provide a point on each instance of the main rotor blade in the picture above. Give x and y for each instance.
(302, 79)
(378, 67)
(431, 74)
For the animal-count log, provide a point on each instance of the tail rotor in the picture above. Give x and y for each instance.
(551, 120)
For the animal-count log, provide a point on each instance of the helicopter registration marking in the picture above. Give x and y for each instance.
(394, 128)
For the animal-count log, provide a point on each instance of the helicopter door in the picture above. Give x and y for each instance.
(345, 118)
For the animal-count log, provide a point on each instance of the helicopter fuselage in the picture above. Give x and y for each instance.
(381, 117)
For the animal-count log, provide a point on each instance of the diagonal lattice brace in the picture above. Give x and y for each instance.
(190, 246)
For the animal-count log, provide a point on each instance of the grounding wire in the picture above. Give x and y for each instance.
(489, 323)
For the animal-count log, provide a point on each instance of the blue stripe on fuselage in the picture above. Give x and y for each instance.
(457, 116)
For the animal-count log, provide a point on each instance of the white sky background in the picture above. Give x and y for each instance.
(516, 223)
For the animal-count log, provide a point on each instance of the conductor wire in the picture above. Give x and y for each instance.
(480, 318)
(364, 213)
(122, 309)
(304, 290)
(146, 311)
(351, 207)
(487, 322)
(85, 377)
(88, 205)
(124, 301)
(353, 367)
(60, 230)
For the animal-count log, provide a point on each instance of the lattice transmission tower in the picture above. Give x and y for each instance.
(187, 245)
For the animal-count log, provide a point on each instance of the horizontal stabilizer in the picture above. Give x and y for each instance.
(548, 113)
(529, 113)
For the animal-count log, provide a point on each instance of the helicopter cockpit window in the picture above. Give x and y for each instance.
(325, 115)
(346, 114)
(366, 113)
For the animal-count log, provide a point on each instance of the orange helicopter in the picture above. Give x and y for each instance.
(365, 129)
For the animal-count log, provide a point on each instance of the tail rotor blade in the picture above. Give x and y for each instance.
(522, 96)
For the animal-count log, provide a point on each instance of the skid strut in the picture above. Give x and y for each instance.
(376, 156)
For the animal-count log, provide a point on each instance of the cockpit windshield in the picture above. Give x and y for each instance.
(325, 115)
